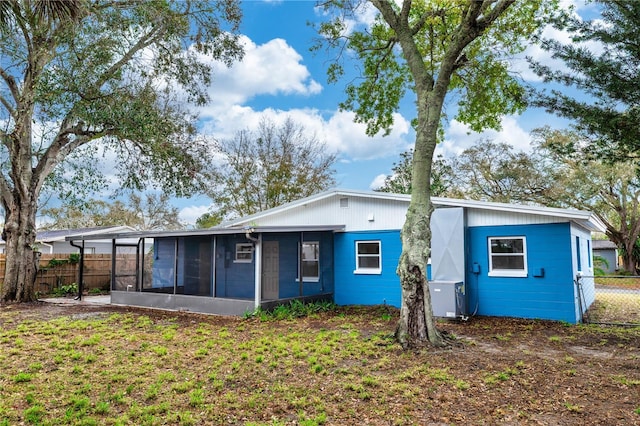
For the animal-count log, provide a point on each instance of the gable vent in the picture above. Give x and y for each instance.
(344, 202)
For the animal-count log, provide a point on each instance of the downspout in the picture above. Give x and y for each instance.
(258, 272)
(257, 267)
(80, 269)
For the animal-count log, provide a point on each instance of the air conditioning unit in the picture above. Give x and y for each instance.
(448, 299)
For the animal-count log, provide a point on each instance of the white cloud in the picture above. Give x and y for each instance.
(377, 182)
(520, 65)
(340, 133)
(349, 138)
(459, 137)
(272, 68)
(363, 16)
(190, 214)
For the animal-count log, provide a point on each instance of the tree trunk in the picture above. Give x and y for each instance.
(417, 325)
(625, 241)
(628, 259)
(21, 267)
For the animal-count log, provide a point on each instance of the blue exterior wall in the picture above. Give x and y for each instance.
(233, 279)
(367, 289)
(551, 296)
(288, 264)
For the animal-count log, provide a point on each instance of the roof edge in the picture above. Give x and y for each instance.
(595, 223)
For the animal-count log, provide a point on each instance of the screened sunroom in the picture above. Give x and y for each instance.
(228, 271)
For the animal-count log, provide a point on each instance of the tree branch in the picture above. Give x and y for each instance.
(8, 106)
(389, 14)
(13, 88)
(143, 43)
(5, 190)
(486, 20)
(419, 25)
(62, 145)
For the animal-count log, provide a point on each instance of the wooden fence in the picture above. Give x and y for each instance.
(56, 270)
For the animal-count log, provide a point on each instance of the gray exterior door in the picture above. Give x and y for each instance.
(270, 270)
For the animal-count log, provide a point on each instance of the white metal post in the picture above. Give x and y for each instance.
(258, 270)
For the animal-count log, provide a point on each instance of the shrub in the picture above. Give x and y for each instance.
(291, 310)
(66, 289)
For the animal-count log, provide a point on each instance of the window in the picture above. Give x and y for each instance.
(244, 253)
(311, 261)
(508, 257)
(368, 257)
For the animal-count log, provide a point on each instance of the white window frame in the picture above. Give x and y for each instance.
(518, 273)
(370, 271)
(243, 249)
(309, 279)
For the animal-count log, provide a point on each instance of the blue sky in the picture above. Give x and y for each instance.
(279, 78)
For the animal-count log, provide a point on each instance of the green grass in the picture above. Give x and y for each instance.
(618, 281)
(339, 366)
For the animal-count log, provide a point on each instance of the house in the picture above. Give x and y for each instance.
(487, 258)
(608, 251)
(56, 242)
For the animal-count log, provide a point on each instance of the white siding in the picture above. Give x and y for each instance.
(385, 214)
(586, 259)
(476, 217)
(380, 211)
(583, 237)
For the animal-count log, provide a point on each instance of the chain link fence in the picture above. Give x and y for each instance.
(617, 299)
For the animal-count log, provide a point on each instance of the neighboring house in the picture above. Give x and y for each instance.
(487, 258)
(608, 251)
(57, 241)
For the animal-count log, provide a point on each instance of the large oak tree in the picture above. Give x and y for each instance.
(577, 180)
(434, 48)
(77, 73)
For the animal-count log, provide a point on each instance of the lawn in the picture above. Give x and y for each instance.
(618, 281)
(97, 365)
(615, 308)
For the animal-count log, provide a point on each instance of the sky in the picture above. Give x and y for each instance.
(279, 78)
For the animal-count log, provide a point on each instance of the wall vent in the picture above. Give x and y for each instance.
(344, 202)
